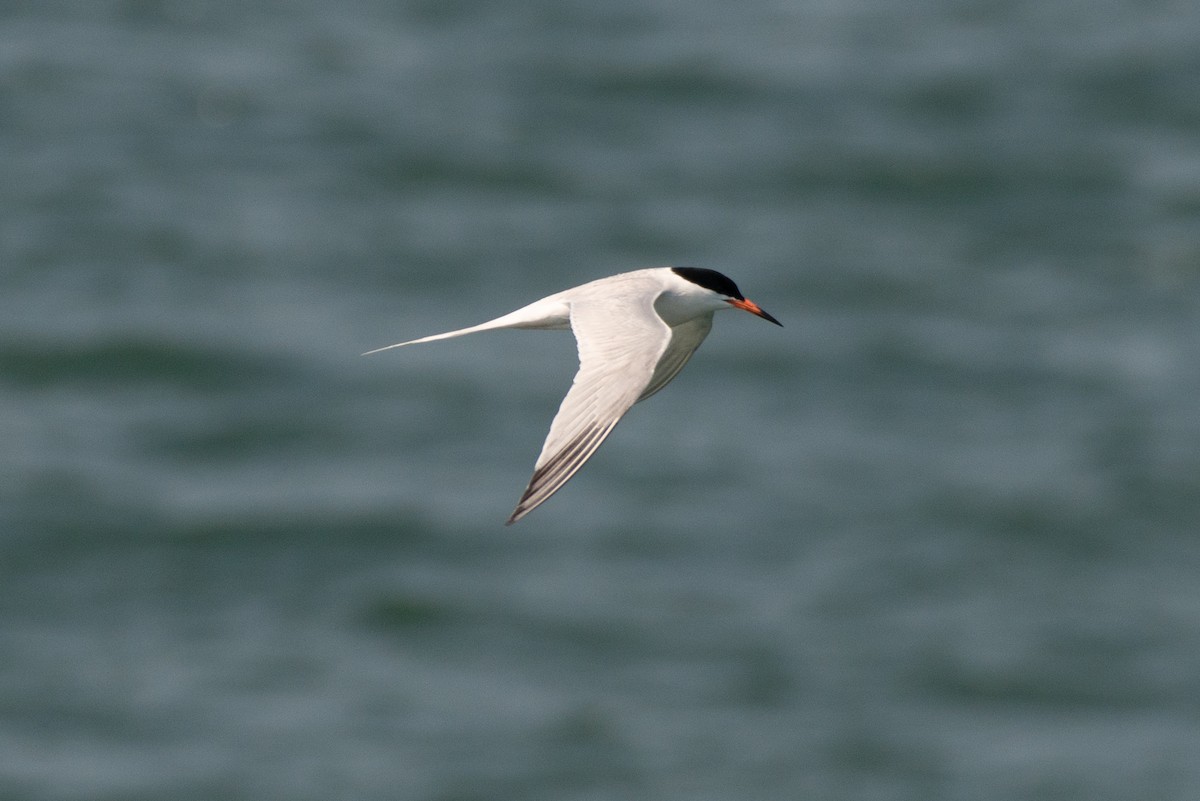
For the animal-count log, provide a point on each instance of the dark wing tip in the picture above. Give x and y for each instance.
(550, 477)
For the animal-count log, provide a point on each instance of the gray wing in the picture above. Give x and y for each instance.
(685, 338)
(620, 348)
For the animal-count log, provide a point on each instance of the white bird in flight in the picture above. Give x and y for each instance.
(635, 331)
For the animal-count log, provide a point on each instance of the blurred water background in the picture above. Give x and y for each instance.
(934, 539)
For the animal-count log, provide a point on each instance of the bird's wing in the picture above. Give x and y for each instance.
(620, 344)
(685, 338)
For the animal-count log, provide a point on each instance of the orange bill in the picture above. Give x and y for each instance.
(752, 307)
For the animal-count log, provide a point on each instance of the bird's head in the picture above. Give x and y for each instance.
(724, 288)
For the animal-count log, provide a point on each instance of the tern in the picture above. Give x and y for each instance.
(635, 331)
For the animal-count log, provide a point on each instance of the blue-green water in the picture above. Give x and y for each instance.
(937, 538)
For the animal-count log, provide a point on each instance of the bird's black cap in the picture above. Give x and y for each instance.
(710, 279)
